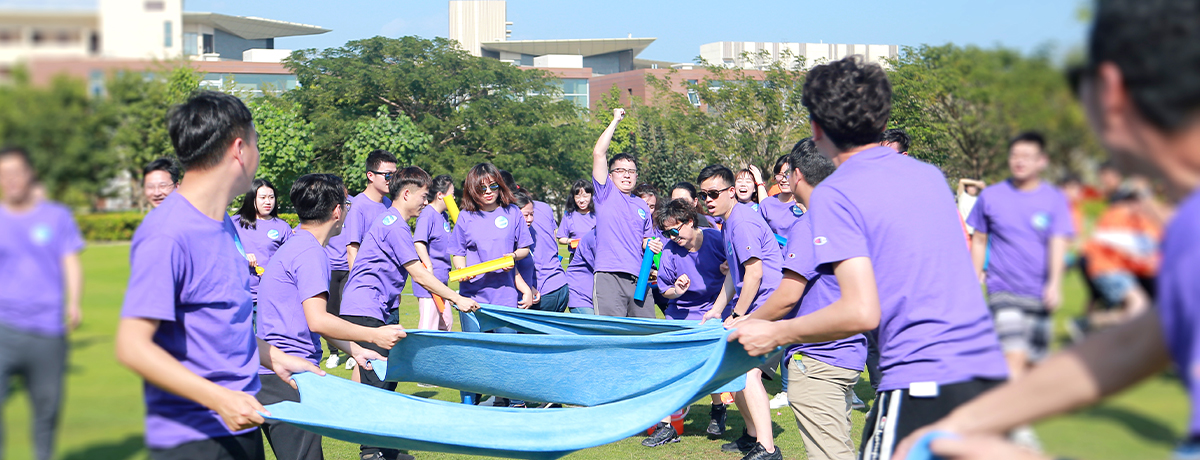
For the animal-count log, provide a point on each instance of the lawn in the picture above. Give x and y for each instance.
(102, 417)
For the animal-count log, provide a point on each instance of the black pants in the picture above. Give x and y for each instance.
(369, 377)
(247, 446)
(289, 442)
(337, 284)
(902, 414)
(41, 361)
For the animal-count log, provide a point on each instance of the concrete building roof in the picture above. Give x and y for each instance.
(584, 47)
(252, 28)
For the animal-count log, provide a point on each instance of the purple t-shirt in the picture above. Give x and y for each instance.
(483, 236)
(550, 276)
(934, 325)
(263, 240)
(622, 221)
(362, 212)
(575, 224)
(747, 236)
(703, 269)
(298, 272)
(581, 272)
(374, 286)
(433, 229)
(1179, 299)
(186, 272)
(780, 215)
(715, 221)
(1019, 226)
(821, 290)
(32, 246)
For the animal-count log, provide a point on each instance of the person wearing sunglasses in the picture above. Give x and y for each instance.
(689, 274)
(623, 226)
(490, 226)
(755, 269)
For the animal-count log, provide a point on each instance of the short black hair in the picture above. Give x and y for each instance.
(678, 210)
(687, 186)
(439, 184)
(249, 212)
(164, 164)
(203, 128)
(19, 152)
(316, 195)
(405, 177)
(378, 157)
(584, 186)
(716, 170)
(1156, 44)
(521, 198)
(622, 156)
(898, 136)
(644, 189)
(805, 157)
(1029, 136)
(850, 100)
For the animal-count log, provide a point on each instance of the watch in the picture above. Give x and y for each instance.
(735, 315)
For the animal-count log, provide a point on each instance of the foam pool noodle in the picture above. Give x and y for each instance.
(451, 207)
(639, 294)
(481, 268)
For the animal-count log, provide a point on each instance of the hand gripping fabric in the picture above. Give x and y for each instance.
(405, 422)
(490, 317)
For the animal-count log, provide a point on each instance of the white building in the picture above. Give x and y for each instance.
(733, 54)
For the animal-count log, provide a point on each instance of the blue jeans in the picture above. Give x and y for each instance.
(555, 301)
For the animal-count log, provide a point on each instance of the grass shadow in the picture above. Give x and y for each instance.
(112, 450)
(1144, 427)
(425, 394)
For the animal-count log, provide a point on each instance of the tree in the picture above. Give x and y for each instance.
(656, 138)
(395, 133)
(284, 143)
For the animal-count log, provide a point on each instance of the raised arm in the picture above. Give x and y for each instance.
(600, 152)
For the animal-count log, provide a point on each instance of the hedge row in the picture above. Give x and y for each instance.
(119, 226)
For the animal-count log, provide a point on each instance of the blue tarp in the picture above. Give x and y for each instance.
(490, 317)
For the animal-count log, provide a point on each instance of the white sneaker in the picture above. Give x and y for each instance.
(350, 363)
(332, 362)
(856, 403)
(1024, 436)
(780, 401)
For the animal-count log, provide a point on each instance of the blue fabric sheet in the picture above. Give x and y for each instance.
(631, 378)
(491, 317)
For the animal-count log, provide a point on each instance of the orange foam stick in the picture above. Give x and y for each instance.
(481, 268)
(574, 243)
(437, 300)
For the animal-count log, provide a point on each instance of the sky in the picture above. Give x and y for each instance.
(681, 27)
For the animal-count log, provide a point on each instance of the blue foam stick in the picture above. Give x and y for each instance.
(644, 275)
(781, 240)
(920, 450)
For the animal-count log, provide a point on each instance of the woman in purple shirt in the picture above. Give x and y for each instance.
(748, 187)
(489, 227)
(432, 236)
(260, 230)
(580, 216)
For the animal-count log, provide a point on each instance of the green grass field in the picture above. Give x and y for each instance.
(102, 417)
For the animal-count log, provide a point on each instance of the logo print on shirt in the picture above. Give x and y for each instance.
(501, 222)
(642, 213)
(40, 234)
(446, 226)
(820, 241)
(754, 206)
(791, 255)
(1040, 221)
(796, 211)
(729, 248)
(273, 234)
(389, 219)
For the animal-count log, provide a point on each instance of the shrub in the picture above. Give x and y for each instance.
(292, 219)
(117, 226)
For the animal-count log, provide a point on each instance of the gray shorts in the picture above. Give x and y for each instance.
(612, 295)
(1023, 324)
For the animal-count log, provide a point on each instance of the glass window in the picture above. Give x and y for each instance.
(190, 43)
(208, 43)
(167, 35)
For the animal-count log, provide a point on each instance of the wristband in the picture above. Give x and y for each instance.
(735, 315)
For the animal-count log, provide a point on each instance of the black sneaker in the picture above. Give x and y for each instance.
(664, 434)
(760, 453)
(744, 444)
(716, 426)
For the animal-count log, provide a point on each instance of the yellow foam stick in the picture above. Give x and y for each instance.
(259, 270)
(574, 243)
(481, 268)
(451, 207)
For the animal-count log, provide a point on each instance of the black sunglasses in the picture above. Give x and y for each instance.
(386, 175)
(671, 233)
(487, 188)
(713, 194)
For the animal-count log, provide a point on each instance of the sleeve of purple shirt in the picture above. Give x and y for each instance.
(286, 234)
(458, 239)
(564, 227)
(837, 233)
(666, 271)
(524, 238)
(312, 273)
(423, 228)
(1064, 224)
(154, 264)
(356, 226)
(747, 247)
(978, 219)
(71, 241)
(602, 190)
(401, 244)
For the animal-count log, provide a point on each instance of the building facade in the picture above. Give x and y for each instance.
(749, 55)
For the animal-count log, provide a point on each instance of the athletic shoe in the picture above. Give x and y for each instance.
(1187, 451)
(332, 362)
(716, 424)
(664, 434)
(350, 362)
(760, 453)
(517, 405)
(744, 444)
(1024, 436)
(500, 402)
(856, 403)
(426, 385)
(780, 400)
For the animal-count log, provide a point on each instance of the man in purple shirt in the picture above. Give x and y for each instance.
(364, 208)
(39, 257)
(185, 323)
(1026, 223)
(755, 268)
(1142, 105)
(159, 178)
(292, 314)
(900, 276)
(821, 387)
(622, 225)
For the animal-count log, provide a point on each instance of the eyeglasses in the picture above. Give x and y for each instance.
(488, 188)
(713, 194)
(623, 171)
(782, 177)
(162, 187)
(386, 175)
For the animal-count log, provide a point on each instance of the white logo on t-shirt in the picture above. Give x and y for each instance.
(272, 233)
(40, 234)
(389, 219)
(820, 241)
(754, 206)
(446, 226)
(1040, 221)
(796, 211)
(501, 222)
(642, 213)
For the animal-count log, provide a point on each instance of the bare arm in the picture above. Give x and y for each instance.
(760, 186)
(783, 299)
(73, 280)
(978, 252)
(600, 152)
(423, 253)
(351, 254)
(427, 280)
(331, 327)
(520, 253)
(752, 272)
(1057, 264)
